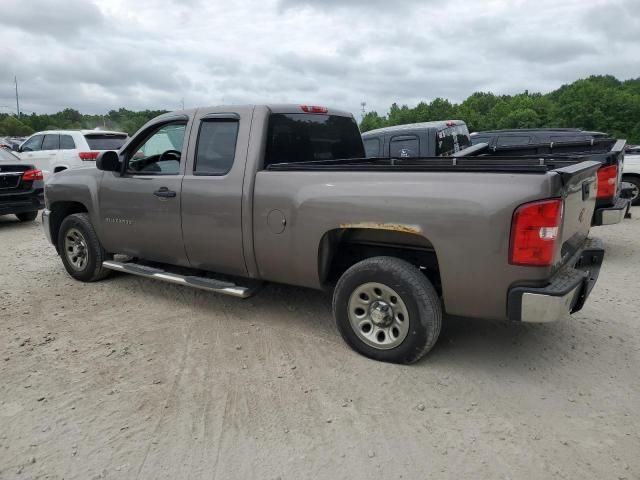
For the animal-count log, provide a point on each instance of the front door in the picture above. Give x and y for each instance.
(31, 152)
(140, 208)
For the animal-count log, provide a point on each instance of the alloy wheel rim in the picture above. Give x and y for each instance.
(75, 249)
(378, 315)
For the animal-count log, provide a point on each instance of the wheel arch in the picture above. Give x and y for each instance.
(340, 248)
(60, 211)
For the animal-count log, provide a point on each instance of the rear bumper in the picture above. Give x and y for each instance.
(611, 215)
(22, 202)
(566, 292)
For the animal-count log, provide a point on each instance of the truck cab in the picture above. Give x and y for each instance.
(426, 139)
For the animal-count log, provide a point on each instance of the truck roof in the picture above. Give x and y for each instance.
(438, 124)
(273, 107)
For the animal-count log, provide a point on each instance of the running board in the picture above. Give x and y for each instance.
(203, 283)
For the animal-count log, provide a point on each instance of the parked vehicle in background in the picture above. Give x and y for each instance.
(631, 172)
(21, 187)
(281, 193)
(55, 150)
(611, 206)
(427, 139)
(12, 143)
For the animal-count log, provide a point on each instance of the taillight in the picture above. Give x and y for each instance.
(31, 175)
(87, 156)
(607, 179)
(534, 231)
(314, 109)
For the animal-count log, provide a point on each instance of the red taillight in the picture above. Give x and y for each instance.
(314, 109)
(31, 175)
(607, 179)
(87, 156)
(534, 231)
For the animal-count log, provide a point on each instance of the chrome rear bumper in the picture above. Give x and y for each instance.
(611, 215)
(566, 291)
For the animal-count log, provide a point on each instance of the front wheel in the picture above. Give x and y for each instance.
(80, 250)
(386, 309)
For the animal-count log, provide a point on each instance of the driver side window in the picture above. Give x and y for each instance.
(160, 153)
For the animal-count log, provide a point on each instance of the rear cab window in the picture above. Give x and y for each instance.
(452, 139)
(106, 141)
(304, 137)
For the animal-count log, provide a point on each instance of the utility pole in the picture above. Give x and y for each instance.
(363, 104)
(15, 79)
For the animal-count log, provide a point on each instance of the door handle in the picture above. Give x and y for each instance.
(164, 192)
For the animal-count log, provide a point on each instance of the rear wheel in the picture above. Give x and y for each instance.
(27, 216)
(635, 181)
(386, 309)
(80, 250)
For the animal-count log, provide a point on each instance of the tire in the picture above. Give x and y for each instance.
(416, 313)
(27, 216)
(636, 182)
(77, 233)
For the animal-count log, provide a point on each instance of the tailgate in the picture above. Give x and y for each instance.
(579, 190)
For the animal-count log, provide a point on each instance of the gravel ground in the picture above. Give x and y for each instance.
(133, 378)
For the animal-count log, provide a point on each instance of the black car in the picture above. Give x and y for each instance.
(21, 188)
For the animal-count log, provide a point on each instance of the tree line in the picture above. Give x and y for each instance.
(69, 119)
(601, 103)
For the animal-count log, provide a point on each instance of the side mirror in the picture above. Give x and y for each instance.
(108, 161)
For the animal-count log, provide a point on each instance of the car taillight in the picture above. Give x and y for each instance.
(534, 231)
(607, 179)
(31, 175)
(87, 156)
(314, 109)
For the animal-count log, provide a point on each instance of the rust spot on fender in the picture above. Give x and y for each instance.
(394, 227)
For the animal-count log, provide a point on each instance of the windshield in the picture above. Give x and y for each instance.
(7, 156)
(106, 141)
(303, 137)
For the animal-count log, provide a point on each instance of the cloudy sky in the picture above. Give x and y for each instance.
(97, 56)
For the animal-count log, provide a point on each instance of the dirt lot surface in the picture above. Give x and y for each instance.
(133, 378)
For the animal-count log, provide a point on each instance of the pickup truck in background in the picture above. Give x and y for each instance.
(223, 198)
(612, 204)
(427, 139)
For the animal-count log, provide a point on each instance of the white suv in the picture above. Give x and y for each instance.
(55, 150)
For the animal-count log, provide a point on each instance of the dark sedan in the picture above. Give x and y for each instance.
(21, 188)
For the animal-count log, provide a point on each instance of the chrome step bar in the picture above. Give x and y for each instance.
(203, 283)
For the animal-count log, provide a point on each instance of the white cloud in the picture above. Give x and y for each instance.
(150, 54)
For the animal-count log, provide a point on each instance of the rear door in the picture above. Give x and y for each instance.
(140, 208)
(212, 190)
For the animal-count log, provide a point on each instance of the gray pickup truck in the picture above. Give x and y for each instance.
(282, 193)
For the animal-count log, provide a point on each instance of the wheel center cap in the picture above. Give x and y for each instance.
(381, 314)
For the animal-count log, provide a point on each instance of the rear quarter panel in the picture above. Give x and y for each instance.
(465, 216)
